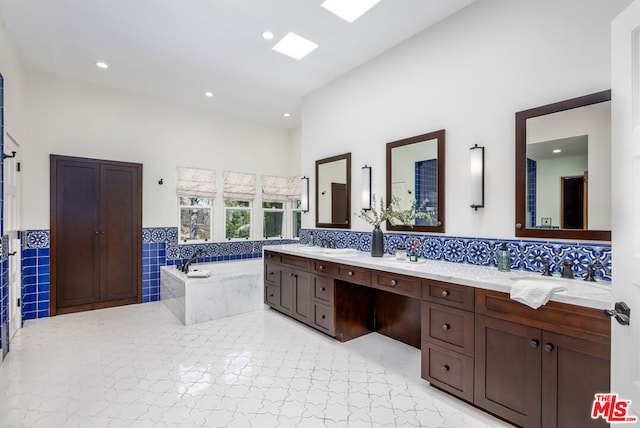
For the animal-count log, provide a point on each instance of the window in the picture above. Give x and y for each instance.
(237, 219)
(273, 224)
(195, 218)
(296, 216)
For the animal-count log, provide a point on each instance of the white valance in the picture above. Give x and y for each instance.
(239, 185)
(196, 182)
(280, 189)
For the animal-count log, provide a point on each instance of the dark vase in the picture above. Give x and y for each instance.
(377, 242)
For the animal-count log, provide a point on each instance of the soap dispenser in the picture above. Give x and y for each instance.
(310, 240)
(504, 258)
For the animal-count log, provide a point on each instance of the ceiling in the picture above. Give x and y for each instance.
(177, 50)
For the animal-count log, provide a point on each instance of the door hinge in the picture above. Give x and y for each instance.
(18, 302)
(18, 166)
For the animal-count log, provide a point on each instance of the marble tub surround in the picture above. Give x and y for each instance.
(593, 295)
(525, 254)
(232, 288)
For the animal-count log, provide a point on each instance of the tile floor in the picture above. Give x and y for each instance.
(138, 366)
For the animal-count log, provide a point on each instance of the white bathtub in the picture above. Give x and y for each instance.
(233, 288)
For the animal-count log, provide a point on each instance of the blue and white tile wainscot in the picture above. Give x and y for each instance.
(525, 254)
(160, 247)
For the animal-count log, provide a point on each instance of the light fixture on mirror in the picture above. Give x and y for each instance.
(304, 194)
(476, 164)
(366, 188)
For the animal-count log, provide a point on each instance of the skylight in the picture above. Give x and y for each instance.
(295, 46)
(349, 10)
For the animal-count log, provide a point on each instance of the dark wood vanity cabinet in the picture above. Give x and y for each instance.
(534, 368)
(540, 367)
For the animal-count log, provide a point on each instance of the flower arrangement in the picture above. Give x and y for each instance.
(393, 213)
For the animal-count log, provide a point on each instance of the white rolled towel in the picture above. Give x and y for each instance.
(534, 293)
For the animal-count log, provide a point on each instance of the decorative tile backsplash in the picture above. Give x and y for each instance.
(35, 274)
(526, 255)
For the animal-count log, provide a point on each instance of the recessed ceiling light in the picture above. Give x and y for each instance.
(267, 35)
(349, 10)
(287, 115)
(295, 46)
(101, 64)
(557, 151)
(208, 94)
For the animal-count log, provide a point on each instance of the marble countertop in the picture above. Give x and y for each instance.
(588, 294)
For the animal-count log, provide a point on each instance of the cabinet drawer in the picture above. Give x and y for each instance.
(324, 268)
(323, 289)
(299, 262)
(323, 318)
(271, 273)
(354, 275)
(399, 284)
(448, 327)
(448, 370)
(458, 296)
(272, 294)
(271, 257)
(572, 320)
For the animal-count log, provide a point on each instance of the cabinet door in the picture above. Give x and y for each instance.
(286, 291)
(573, 371)
(120, 231)
(507, 370)
(302, 296)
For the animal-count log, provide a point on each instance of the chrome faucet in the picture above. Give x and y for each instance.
(195, 256)
(567, 272)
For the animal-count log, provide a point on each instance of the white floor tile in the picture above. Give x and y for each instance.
(138, 366)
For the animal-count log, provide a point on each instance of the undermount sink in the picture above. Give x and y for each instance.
(572, 285)
(341, 252)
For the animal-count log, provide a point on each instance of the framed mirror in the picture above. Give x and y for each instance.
(333, 191)
(563, 169)
(415, 172)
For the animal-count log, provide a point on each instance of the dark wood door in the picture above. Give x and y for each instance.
(508, 369)
(96, 229)
(339, 211)
(573, 371)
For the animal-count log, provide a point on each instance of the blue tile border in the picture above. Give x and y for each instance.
(525, 254)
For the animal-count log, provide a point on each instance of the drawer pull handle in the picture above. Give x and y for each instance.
(445, 293)
(291, 275)
(321, 267)
(271, 273)
(394, 282)
(534, 343)
(445, 327)
(350, 273)
(271, 295)
(445, 369)
(322, 288)
(548, 347)
(323, 317)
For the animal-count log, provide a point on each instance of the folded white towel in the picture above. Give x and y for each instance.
(534, 293)
(198, 273)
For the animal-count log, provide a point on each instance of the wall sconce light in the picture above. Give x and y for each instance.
(304, 194)
(476, 164)
(366, 188)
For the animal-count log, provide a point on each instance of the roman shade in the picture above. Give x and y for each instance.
(239, 185)
(280, 189)
(196, 182)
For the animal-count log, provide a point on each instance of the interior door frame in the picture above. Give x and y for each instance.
(53, 286)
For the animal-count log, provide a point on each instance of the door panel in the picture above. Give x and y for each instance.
(118, 232)
(76, 212)
(625, 232)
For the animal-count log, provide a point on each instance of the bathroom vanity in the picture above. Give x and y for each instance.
(530, 367)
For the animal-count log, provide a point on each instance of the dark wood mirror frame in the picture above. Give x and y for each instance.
(347, 224)
(521, 170)
(439, 135)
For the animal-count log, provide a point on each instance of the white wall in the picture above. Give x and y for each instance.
(469, 74)
(15, 120)
(548, 177)
(77, 119)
